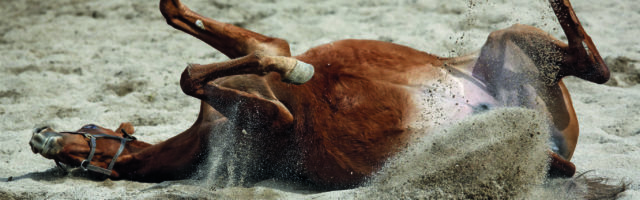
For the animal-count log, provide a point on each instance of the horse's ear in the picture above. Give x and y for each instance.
(127, 127)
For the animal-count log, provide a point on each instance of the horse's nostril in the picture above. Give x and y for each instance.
(36, 142)
(34, 146)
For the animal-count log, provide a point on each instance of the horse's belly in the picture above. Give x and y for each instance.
(445, 100)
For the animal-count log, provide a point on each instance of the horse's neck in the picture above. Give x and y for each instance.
(137, 146)
(176, 155)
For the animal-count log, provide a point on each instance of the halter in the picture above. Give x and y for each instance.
(86, 164)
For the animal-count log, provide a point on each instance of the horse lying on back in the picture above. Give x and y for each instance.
(333, 115)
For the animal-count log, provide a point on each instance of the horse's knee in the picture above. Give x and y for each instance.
(517, 33)
(188, 83)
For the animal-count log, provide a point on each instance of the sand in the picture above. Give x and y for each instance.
(68, 63)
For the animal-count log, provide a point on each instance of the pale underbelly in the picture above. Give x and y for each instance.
(447, 99)
(453, 96)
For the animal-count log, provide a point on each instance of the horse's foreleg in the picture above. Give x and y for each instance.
(196, 76)
(582, 58)
(231, 40)
(251, 93)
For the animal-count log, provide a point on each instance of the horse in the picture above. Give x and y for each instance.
(333, 115)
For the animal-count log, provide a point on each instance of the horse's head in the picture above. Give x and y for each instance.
(91, 147)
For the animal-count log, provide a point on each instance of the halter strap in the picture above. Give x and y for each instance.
(86, 164)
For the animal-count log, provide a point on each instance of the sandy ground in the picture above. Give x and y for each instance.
(70, 62)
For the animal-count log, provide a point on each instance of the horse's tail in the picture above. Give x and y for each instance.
(589, 187)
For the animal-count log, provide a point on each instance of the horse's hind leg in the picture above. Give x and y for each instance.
(582, 58)
(579, 58)
(231, 40)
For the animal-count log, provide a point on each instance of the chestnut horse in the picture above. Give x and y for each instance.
(334, 114)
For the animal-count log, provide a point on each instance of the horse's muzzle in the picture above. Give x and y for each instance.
(46, 142)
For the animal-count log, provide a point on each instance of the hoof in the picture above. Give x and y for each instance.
(300, 74)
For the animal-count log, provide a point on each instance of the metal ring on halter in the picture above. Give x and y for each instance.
(84, 164)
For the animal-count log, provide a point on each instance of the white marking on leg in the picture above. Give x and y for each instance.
(200, 24)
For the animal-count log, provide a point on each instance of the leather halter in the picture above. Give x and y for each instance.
(86, 164)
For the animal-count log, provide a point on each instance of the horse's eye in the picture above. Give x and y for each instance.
(90, 126)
